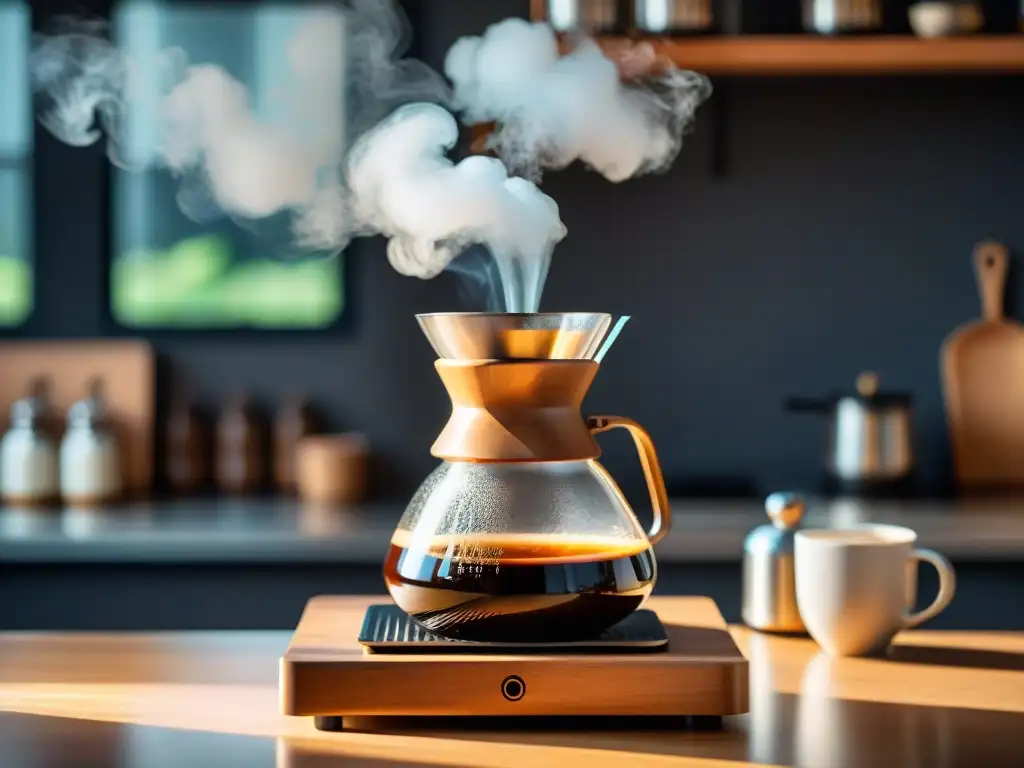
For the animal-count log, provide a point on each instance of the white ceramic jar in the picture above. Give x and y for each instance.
(90, 459)
(28, 458)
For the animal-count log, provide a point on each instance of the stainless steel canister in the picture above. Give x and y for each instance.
(870, 444)
(594, 16)
(769, 582)
(666, 16)
(832, 17)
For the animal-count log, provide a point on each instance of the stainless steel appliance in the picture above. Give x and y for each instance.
(769, 578)
(834, 17)
(594, 16)
(667, 16)
(870, 443)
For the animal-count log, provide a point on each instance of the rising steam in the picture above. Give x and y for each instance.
(405, 187)
(205, 130)
(552, 110)
(341, 73)
(355, 140)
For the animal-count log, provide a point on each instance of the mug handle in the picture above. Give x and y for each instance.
(652, 469)
(947, 587)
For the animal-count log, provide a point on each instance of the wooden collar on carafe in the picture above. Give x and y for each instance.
(516, 410)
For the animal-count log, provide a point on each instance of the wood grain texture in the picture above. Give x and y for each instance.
(807, 55)
(525, 410)
(127, 371)
(941, 698)
(326, 672)
(983, 384)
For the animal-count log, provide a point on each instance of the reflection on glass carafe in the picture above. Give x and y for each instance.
(519, 551)
(521, 535)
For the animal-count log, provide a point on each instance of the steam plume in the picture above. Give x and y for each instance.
(355, 139)
(404, 186)
(201, 124)
(340, 73)
(551, 110)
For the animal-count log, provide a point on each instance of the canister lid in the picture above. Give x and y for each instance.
(25, 413)
(786, 510)
(32, 410)
(869, 393)
(90, 411)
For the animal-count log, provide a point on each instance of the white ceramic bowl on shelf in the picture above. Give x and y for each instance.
(938, 19)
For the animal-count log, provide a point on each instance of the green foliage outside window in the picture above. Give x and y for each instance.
(198, 282)
(15, 290)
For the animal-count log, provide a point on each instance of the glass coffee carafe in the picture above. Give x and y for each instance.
(520, 535)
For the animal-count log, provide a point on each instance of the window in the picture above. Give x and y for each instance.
(168, 271)
(16, 289)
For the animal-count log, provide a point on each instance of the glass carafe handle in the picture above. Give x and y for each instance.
(652, 469)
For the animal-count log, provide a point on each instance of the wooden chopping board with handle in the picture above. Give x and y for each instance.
(983, 384)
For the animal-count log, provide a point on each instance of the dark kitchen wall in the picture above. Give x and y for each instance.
(836, 239)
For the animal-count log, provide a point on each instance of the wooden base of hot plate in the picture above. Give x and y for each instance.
(326, 674)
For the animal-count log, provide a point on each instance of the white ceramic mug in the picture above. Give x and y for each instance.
(856, 587)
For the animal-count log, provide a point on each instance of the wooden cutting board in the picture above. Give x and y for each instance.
(983, 384)
(127, 370)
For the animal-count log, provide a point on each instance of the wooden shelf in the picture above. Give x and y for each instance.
(801, 55)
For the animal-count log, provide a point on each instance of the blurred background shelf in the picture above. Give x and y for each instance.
(802, 55)
(252, 563)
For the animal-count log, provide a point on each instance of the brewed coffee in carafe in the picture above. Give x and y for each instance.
(520, 535)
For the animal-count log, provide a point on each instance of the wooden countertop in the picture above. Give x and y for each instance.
(211, 699)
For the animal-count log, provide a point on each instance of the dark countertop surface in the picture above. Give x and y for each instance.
(266, 531)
